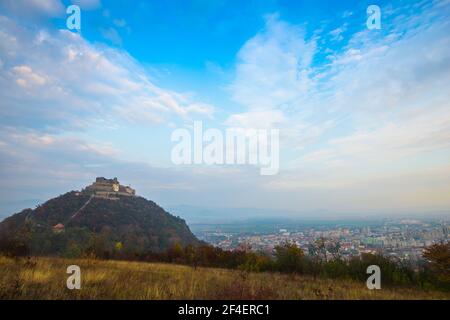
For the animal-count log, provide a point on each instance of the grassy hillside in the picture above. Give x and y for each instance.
(45, 278)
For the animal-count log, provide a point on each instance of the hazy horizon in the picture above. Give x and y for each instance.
(218, 215)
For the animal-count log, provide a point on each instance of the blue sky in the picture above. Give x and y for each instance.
(364, 115)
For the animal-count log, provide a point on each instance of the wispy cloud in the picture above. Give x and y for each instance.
(381, 106)
(68, 82)
(273, 67)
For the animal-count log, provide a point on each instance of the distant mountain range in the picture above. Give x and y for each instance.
(196, 215)
(238, 215)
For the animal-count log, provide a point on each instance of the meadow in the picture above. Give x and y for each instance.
(45, 278)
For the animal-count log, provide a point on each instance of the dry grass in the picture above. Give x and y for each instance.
(45, 278)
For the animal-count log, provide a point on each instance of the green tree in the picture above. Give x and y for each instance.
(289, 258)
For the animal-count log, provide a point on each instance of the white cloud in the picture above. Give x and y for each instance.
(417, 135)
(34, 8)
(273, 67)
(112, 35)
(336, 34)
(25, 76)
(274, 80)
(70, 83)
(256, 119)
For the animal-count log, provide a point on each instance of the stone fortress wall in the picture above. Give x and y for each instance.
(109, 189)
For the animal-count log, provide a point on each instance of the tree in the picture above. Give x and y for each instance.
(289, 258)
(175, 253)
(73, 250)
(438, 256)
(318, 249)
(118, 246)
(334, 247)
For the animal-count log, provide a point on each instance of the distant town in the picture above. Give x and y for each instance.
(402, 239)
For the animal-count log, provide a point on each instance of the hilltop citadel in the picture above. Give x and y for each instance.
(109, 189)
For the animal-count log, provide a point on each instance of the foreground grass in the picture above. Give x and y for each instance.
(45, 278)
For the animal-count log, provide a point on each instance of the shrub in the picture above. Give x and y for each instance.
(289, 258)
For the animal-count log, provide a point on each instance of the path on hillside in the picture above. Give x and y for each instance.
(81, 209)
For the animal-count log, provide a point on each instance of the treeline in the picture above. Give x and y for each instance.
(432, 273)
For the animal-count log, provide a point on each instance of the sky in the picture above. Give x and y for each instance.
(363, 114)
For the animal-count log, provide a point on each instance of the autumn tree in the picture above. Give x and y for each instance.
(438, 256)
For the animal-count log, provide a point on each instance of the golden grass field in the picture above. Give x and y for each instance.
(45, 278)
